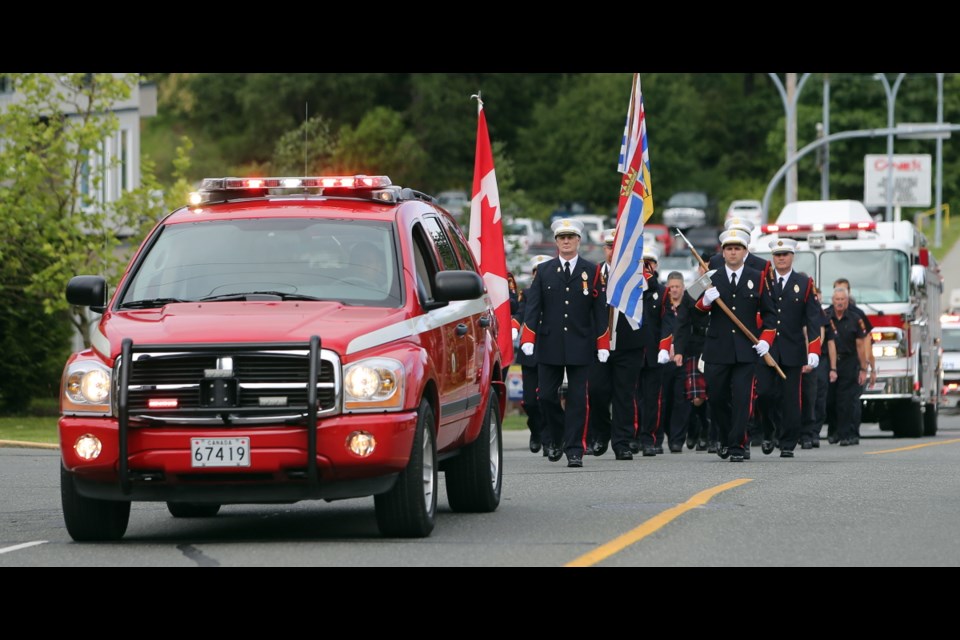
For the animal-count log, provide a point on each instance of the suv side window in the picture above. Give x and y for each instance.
(440, 241)
(425, 264)
(466, 258)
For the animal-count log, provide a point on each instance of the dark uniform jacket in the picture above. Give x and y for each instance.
(566, 319)
(691, 329)
(797, 307)
(656, 328)
(727, 343)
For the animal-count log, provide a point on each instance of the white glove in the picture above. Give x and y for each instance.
(710, 295)
(527, 348)
(514, 333)
(813, 360)
(663, 357)
(602, 355)
(762, 348)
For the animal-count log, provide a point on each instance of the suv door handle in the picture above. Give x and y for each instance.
(484, 321)
(461, 329)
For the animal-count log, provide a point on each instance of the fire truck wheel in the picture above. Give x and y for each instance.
(90, 519)
(409, 509)
(907, 421)
(192, 509)
(475, 476)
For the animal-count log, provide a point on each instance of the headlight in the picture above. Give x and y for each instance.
(86, 388)
(374, 384)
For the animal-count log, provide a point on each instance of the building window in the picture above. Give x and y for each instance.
(6, 86)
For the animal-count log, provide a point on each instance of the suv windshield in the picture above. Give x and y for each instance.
(692, 199)
(351, 262)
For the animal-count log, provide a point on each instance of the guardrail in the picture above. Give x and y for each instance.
(921, 217)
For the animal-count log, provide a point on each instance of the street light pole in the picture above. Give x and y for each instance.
(938, 234)
(891, 102)
(790, 113)
(825, 131)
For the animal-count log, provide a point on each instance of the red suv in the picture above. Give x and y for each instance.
(287, 339)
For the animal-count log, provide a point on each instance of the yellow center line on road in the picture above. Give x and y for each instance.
(913, 446)
(655, 523)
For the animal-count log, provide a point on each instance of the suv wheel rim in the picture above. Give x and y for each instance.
(494, 452)
(428, 487)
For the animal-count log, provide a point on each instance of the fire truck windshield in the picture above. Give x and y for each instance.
(876, 276)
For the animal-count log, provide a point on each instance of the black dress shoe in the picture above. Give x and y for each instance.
(691, 443)
(588, 451)
(723, 452)
(736, 458)
(713, 447)
(649, 452)
(806, 444)
(855, 440)
(844, 442)
(833, 439)
(676, 448)
(625, 454)
(767, 447)
(599, 448)
(634, 446)
(702, 445)
(659, 448)
(746, 453)
(554, 454)
(535, 443)
(786, 453)
(575, 461)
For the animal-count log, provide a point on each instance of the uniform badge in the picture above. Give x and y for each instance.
(796, 288)
(583, 274)
(655, 295)
(750, 284)
(586, 290)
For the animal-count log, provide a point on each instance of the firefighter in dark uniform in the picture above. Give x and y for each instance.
(755, 262)
(690, 402)
(565, 325)
(528, 367)
(601, 376)
(850, 372)
(655, 336)
(798, 316)
(730, 358)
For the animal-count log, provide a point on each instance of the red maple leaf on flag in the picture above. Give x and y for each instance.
(486, 236)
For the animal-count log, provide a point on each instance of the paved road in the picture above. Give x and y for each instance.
(887, 502)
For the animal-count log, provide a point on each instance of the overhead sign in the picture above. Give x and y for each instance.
(911, 180)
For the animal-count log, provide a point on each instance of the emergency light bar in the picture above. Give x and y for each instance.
(219, 189)
(819, 227)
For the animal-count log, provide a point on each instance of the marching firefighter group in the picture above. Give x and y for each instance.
(752, 358)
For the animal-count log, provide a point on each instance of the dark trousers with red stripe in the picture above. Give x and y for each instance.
(530, 403)
(779, 404)
(651, 406)
(731, 401)
(566, 425)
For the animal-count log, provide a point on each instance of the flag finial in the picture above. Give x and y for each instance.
(479, 100)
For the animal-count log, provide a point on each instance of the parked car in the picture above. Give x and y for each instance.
(457, 203)
(686, 209)
(686, 264)
(751, 210)
(593, 226)
(664, 236)
(303, 338)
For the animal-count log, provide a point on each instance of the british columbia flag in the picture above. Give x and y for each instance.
(626, 284)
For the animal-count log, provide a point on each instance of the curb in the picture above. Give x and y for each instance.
(27, 445)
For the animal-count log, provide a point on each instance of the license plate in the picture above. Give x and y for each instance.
(220, 452)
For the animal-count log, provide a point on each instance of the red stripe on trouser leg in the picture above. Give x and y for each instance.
(656, 426)
(753, 398)
(586, 422)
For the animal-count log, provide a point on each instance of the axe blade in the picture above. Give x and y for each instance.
(701, 284)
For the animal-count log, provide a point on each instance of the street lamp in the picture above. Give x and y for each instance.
(790, 111)
(891, 101)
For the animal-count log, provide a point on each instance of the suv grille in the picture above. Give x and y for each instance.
(250, 385)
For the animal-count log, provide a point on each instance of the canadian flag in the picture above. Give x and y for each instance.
(486, 235)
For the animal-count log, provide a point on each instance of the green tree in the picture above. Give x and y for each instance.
(380, 145)
(305, 149)
(55, 224)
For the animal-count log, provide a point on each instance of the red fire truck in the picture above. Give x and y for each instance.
(895, 280)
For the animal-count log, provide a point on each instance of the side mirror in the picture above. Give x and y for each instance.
(88, 291)
(458, 285)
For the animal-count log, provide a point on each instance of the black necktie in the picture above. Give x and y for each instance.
(566, 269)
(780, 286)
(733, 279)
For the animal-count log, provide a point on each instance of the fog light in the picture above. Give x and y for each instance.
(88, 447)
(361, 443)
